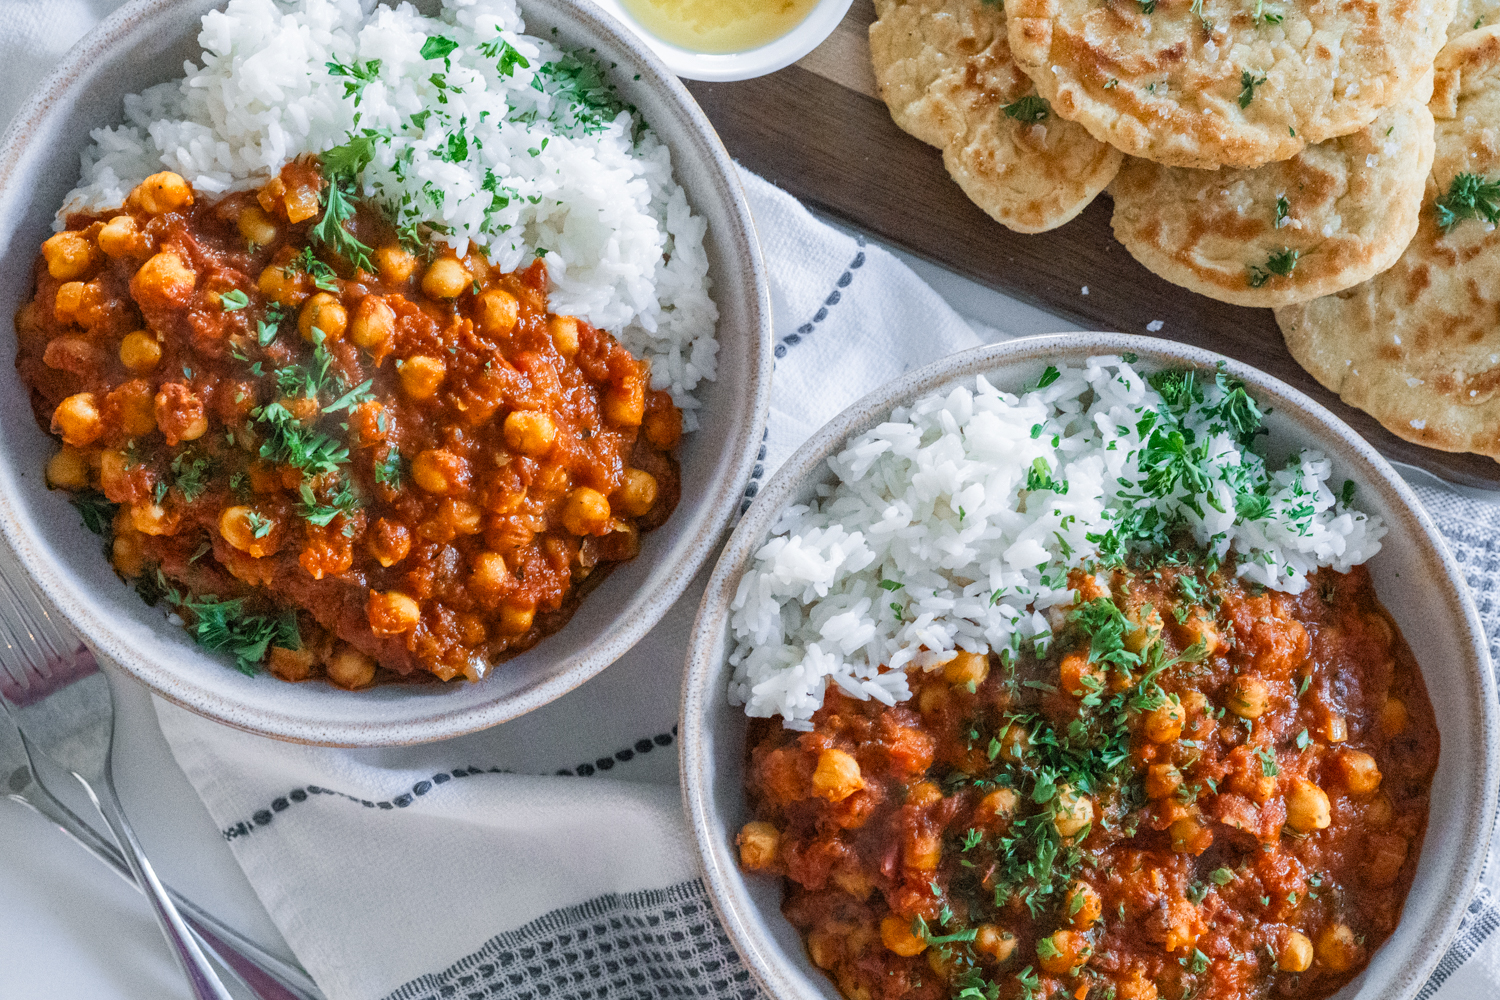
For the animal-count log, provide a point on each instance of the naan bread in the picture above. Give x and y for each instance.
(1332, 216)
(1209, 83)
(1418, 346)
(945, 72)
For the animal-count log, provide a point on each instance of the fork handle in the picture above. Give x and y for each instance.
(201, 977)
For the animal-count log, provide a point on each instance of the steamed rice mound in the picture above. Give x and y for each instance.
(954, 525)
(487, 134)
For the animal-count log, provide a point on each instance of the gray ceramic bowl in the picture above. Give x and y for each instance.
(144, 43)
(1415, 576)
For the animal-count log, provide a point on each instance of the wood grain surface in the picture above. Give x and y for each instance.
(817, 130)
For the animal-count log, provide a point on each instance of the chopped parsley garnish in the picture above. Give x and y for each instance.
(507, 54)
(1248, 82)
(96, 510)
(1282, 263)
(1268, 766)
(341, 168)
(233, 300)
(342, 501)
(358, 76)
(223, 626)
(1030, 108)
(1283, 209)
(591, 99)
(388, 469)
(1222, 876)
(190, 475)
(1469, 196)
(1264, 16)
(438, 47)
(287, 441)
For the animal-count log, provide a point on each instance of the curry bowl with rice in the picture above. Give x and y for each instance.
(1080, 665)
(454, 349)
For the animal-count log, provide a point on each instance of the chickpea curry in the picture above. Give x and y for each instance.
(342, 451)
(1202, 790)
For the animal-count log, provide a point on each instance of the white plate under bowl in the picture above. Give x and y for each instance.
(146, 42)
(1414, 575)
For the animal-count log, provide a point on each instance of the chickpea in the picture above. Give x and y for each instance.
(637, 495)
(1380, 811)
(996, 810)
(1062, 951)
(498, 312)
(68, 470)
(896, 935)
(1202, 630)
(392, 613)
(128, 553)
(965, 668)
(586, 512)
(1074, 811)
(68, 254)
(1162, 780)
(1014, 742)
(530, 432)
(250, 531)
(395, 265)
(256, 225)
(1083, 905)
(564, 330)
(163, 282)
(1306, 806)
(993, 942)
(114, 468)
(77, 420)
(153, 519)
(1164, 724)
(837, 776)
(433, 470)
(390, 541)
(663, 427)
(374, 323)
(350, 668)
(625, 402)
(1190, 835)
(923, 794)
(933, 700)
(1296, 953)
(421, 375)
(1249, 697)
(823, 948)
(461, 516)
(162, 193)
(1338, 948)
(137, 410)
(516, 619)
(489, 574)
(139, 352)
(322, 312)
(760, 845)
(280, 287)
(1393, 716)
(179, 414)
(121, 237)
(1079, 677)
(69, 299)
(1359, 771)
(446, 278)
(1148, 627)
(292, 664)
(856, 884)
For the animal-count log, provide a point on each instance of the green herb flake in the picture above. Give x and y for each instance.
(1248, 82)
(1469, 196)
(233, 301)
(1030, 108)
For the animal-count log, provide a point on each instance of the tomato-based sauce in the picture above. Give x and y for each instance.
(1202, 789)
(396, 465)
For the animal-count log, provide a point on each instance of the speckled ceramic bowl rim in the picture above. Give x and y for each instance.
(741, 246)
(764, 957)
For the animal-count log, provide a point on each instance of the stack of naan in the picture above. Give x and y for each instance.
(1338, 162)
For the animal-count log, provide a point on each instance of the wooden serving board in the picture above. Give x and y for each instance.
(819, 130)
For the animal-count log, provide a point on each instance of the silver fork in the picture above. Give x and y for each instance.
(61, 702)
(263, 973)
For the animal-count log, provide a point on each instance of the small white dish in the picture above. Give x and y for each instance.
(724, 67)
(1416, 577)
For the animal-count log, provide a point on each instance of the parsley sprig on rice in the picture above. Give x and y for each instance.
(954, 525)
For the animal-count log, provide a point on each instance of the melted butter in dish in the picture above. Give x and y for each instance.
(719, 26)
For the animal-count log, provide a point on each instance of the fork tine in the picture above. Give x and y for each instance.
(27, 616)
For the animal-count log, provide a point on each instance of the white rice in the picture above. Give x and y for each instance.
(930, 541)
(594, 192)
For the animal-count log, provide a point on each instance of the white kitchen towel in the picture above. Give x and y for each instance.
(399, 872)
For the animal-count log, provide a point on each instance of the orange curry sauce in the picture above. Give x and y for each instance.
(416, 463)
(1245, 820)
